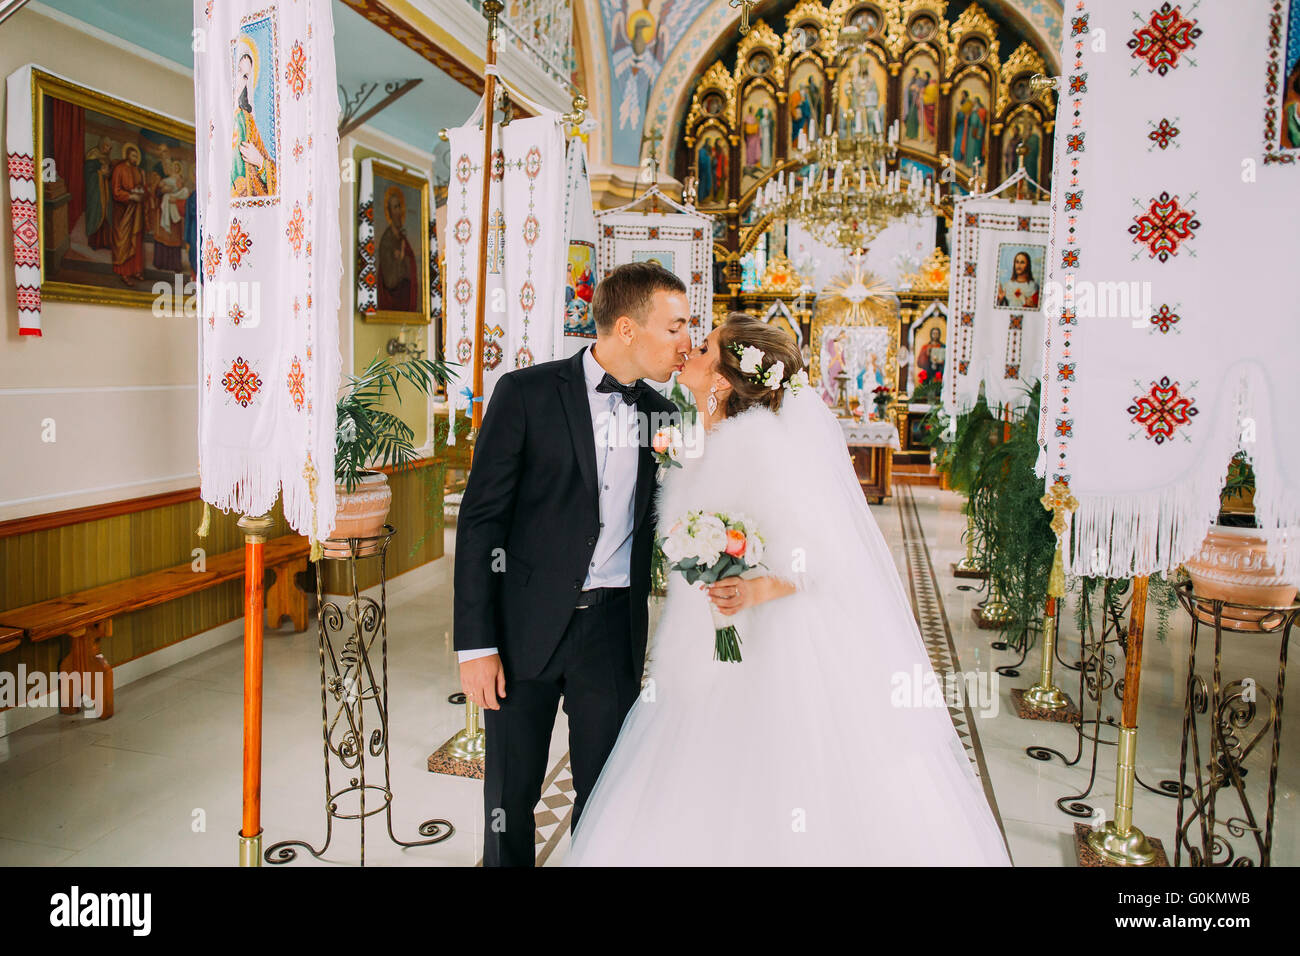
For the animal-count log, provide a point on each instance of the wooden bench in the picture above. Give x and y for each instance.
(87, 616)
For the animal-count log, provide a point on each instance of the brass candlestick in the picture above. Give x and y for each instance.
(1045, 695)
(1119, 841)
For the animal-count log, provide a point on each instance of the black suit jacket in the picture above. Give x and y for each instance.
(530, 516)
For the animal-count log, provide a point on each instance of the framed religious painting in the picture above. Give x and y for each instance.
(115, 185)
(805, 104)
(920, 101)
(757, 135)
(1023, 128)
(969, 124)
(394, 244)
(860, 92)
(851, 356)
(713, 166)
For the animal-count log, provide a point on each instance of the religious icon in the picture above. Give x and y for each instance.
(970, 121)
(399, 286)
(712, 103)
(399, 206)
(712, 158)
(254, 167)
(852, 363)
(1019, 269)
(1291, 97)
(805, 102)
(867, 20)
(119, 210)
(579, 287)
(930, 357)
(1022, 129)
(760, 62)
(921, 103)
(922, 27)
(1020, 88)
(758, 137)
(861, 92)
(973, 49)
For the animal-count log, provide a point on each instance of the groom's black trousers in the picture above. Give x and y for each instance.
(592, 669)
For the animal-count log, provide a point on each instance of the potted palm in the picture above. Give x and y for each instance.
(366, 438)
(1232, 563)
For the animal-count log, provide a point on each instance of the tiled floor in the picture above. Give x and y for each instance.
(160, 781)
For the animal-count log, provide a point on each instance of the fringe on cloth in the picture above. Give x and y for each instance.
(1128, 534)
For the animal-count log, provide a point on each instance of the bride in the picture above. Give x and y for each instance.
(815, 749)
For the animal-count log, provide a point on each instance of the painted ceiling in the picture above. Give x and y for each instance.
(365, 54)
(654, 48)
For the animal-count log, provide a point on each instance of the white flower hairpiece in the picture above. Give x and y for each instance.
(751, 363)
(797, 381)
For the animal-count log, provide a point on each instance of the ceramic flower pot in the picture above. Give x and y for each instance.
(361, 513)
(1232, 565)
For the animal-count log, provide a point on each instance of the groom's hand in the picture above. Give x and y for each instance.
(483, 680)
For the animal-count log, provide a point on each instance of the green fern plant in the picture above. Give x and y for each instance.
(365, 434)
(1014, 528)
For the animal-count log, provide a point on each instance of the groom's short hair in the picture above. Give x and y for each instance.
(628, 290)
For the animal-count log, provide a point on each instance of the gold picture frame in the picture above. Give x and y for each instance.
(841, 316)
(140, 130)
(390, 178)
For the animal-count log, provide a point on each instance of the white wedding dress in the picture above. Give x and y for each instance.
(801, 754)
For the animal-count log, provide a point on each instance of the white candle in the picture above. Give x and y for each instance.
(862, 180)
(883, 176)
(828, 124)
(839, 177)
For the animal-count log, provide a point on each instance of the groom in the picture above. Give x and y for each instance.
(553, 549)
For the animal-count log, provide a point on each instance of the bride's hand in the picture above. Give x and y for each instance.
(729, 595)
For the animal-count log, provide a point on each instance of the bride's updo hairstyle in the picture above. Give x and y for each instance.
(738, 331)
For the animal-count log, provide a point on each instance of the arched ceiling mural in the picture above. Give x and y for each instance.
(642, 76)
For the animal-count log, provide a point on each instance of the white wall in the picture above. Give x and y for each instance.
(120, 384)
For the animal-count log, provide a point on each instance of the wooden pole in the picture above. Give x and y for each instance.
(250, 834)
(492, 10)
(1119, 841)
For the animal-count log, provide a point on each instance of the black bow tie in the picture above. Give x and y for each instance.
(630, 393)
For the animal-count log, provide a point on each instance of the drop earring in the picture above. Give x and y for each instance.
(713, 399)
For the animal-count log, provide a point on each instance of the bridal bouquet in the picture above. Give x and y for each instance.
(708, 546)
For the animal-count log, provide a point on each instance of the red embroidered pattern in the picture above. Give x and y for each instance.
(211, 258)
(498, 165)
(1163, 134)
(464, 350)
(1165, 318)
(532, 229)
(241, 382)
(1164, 226)
(463, 291)
(237, 244)
(1164, 39)
(462, 230)
(527, 296)
(464, 168)
(294, 229)
(235, 314)
(1162, 410)
(297, 384)
(295, 71)
(533, 162)
(27, 235)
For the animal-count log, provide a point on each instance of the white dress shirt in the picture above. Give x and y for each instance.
(614, 428)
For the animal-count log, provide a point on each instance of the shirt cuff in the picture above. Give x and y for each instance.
(463, 656)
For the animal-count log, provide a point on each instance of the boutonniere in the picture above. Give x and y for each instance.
(666, 446)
